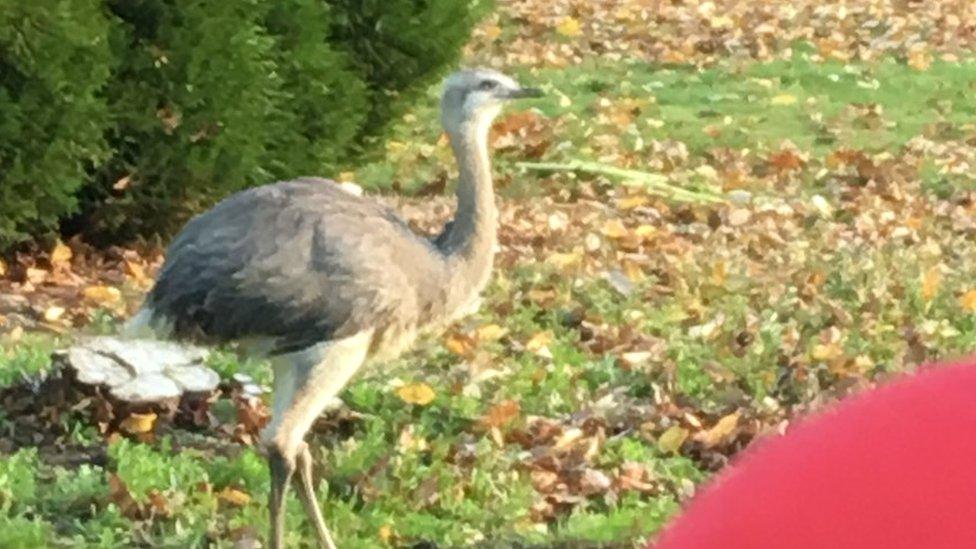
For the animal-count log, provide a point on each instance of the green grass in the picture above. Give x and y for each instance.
(398, 477)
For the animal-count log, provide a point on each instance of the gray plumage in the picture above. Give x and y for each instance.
(324, 280)
(299, 262)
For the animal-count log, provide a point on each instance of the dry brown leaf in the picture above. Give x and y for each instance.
(501, 414)
(594, 482)
(459, 344)
(419, 393)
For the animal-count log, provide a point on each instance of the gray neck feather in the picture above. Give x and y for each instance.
(469, 241)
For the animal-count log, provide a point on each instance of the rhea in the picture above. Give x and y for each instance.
(322, 280)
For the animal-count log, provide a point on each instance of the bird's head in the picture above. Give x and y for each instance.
(476, 96)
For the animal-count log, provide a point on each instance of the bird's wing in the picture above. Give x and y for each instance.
(297, 262)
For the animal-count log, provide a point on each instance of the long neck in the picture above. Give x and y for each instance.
(469, 241)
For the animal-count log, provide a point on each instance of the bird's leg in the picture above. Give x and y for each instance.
(305, 383)
(307, 495)
(282, 467)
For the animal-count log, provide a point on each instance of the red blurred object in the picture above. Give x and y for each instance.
(891, 468)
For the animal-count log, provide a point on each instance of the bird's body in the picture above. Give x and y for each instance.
(323, 280)
(292, 264)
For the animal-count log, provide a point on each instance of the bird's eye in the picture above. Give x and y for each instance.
(487, 85)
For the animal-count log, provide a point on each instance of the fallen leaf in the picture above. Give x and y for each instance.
(119, 494)
(3, 268)
(631, 202)
(159, 504)
(783, 99)
(931, 282)
(544, 481)
(539, 343)
(103, 295)
(569, 27)
(567, 439)
(564, 260)
(137, 273)
(459, 344)
(234, 496)
(594, 481)
(386, 533)
(490, 332)
(919, 60)
(492, 32)
(968, 301)
(827, 351)
(60, 255)
(720, 432)
(137, 424)
(501, 413)
(614, 228)
(122, 184)
(671, 440)
(53, 313)
(416, 393)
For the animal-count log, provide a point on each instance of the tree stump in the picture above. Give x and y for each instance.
(139, 376)
(140, 371)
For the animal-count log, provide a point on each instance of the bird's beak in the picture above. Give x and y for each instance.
(525, 92)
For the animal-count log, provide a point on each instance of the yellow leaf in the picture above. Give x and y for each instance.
(3, 268)
(53, 313)
(395, 147)
(931, 282)
(631, 202)
(492, 32)
(137, 273)
(234, 496)
(103, 295)
(136, 424)
(538, 341)
(920, 60)
(671, 440)
(827, 352)
(347, 177)
(490, 332)
(614, 228)
(386, 533)
(968, 301)
(60, 254)
(416, 393)
(783, 99)
(720, 432)
(645, 231)
(569, 27)
(719, 273)
(563, 260)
